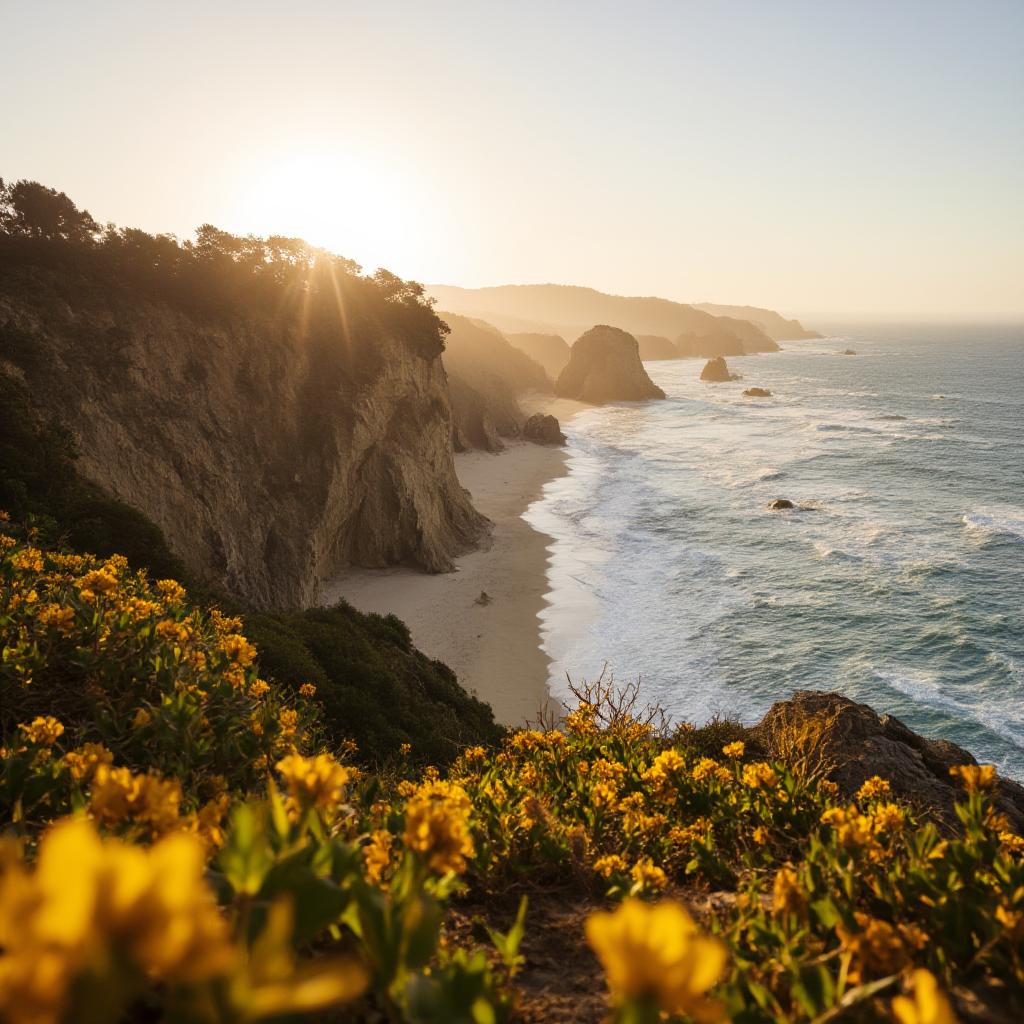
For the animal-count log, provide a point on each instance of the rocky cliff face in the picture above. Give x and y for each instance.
(605, 367)
(550, 350)
(656, 346)
(486, 375)
(270, 455)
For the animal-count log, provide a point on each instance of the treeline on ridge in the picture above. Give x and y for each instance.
(216, 275)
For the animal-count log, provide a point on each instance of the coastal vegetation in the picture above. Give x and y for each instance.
(189, 839)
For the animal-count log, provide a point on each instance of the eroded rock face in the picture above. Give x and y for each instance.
(605, 366)
(543, 429)
(716, 371)
(269, 460)
(860, 743)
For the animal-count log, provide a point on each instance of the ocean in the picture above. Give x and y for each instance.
(899, 582)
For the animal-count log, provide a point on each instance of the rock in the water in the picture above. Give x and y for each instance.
(780, 503)
(716, 371)
(757, 393)
(543, 429)
(847, 352)
(855, 743)
(484, 598)
(605, 367)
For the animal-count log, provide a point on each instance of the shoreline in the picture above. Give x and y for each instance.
(494, 645)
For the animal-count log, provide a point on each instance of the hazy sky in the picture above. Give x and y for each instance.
(819, 156)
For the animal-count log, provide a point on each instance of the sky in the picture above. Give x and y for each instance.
(862, 158)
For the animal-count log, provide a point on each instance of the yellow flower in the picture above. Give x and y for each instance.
(118, 797)
(259, 688)
(437, 826)
(704, 768)
(975, 777)
(42, 732)
(405, 749)
(761, 835)
(377, 854)
(82, 763)
(657, 952)
(581, 722)
(238, 650)
(888, 818)
(97, 582)
(56, 616)
(760, 776)
(171, 591)
(787, 894)
(874, 787)
(648, 876)
(88, 900)
(612, 864)
(734, 751)
(314, 781)
(1012, 841)
(307, 690)
(142, 718)
(289, 720)
(928, 1005)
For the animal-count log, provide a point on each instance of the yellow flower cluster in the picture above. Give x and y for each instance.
(314, 781)
(437, 826)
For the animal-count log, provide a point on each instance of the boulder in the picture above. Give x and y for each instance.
(716, 371)
(780, 503)
(543, 429)
(605, 366)
(854, 743)
(757, 393)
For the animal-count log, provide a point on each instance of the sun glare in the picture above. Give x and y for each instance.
(349, 205)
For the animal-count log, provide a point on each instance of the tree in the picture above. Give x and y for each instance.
(32, 210)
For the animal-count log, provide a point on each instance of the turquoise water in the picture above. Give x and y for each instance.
(901, 583)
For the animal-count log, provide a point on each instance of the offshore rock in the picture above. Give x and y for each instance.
(605, 366)
(716, 371)
(757, 393)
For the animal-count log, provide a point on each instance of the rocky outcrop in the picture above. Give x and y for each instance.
(716, 371)
(550, 350)
(756, 393)
(854, 743)
(605, 366)
(656, 346)
(543, 429)
(780, 505)
(270, 453)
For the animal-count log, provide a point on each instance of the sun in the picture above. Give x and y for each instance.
(345, 202)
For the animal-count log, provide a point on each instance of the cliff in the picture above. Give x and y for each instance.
(777, 327)
(486, 373)
(605, 367)
(550, 350)
(655, 346)
(568, 311)
(272, 449)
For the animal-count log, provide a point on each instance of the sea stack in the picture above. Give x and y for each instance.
(716, 371)
(542, 429)
(605, 366)
(757, 393)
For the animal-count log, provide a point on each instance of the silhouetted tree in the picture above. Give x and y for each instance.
(33, 210)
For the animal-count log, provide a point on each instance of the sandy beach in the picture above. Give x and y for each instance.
(492, 644)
